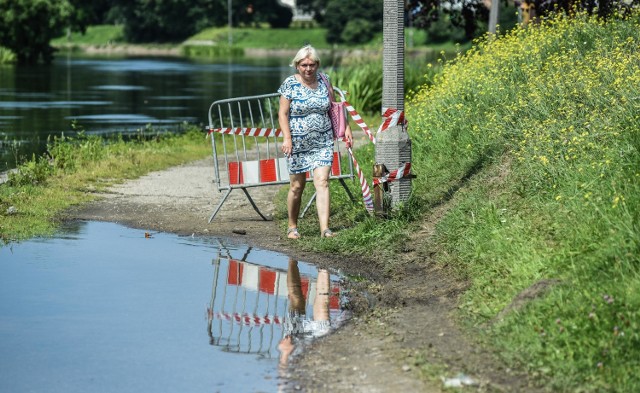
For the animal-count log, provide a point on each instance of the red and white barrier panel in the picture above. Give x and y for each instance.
(246, 131)
(394, 175)
(272, 282)
(261, 279)
(268, 170)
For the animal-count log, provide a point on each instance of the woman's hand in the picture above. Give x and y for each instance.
(287, 146)
(348, 136)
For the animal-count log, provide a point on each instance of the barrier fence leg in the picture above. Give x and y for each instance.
(224, 198)
(347, 190)
(253, 204)
(313, 198)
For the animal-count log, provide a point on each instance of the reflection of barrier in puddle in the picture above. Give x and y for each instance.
(249, 307)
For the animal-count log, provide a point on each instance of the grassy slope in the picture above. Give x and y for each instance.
(557, 107)
(95, 35)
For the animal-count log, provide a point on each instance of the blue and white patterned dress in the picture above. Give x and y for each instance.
(311, 134)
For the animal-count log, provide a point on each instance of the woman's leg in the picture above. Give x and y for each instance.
(294, 198)
(321, 182)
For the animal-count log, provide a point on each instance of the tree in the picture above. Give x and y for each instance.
(168, 20)
(468, 15)
(359, 18)
(603, 8)
(313, 7)
(27, 27)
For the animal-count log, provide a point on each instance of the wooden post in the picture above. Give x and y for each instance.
(379, 170)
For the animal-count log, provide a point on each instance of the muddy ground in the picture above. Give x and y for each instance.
(406, 319)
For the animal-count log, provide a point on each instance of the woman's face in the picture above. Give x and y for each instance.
(307, 67)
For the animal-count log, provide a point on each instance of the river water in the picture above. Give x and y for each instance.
(114, 95)
(105, 308)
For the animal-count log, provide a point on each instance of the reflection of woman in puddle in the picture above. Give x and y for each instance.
(297, 326)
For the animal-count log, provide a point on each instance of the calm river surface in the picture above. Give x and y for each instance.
(106, 95)
(105, 308)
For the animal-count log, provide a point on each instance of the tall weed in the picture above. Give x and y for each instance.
(363, 81)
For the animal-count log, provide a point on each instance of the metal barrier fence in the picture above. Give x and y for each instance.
(245, 145)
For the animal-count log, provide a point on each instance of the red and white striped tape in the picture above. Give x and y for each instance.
(358, 120)
(247, 131)
(392, 117)
(397, 174)
(249, 320)
(364, 186)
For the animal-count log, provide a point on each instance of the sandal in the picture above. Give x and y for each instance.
(328, 233)
(292, 233)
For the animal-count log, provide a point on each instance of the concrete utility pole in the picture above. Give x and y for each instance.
(493, 16)
(393, 146)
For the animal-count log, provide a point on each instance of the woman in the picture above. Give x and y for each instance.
(308, 138)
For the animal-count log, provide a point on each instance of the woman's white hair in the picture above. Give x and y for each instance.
(306, 51)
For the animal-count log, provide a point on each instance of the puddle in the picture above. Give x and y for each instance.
(106, 308)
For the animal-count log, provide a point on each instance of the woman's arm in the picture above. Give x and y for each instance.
(283, 119)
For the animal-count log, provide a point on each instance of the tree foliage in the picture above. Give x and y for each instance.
(471, 15)
(166, 20)
(437, 15)
(27, 26)
(313, 7)
(257, 12)
(352, 21)
(176, 20)
(602, 8)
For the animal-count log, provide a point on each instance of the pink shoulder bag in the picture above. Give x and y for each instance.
(336, 112)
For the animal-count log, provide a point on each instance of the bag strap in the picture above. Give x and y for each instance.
(329, 87)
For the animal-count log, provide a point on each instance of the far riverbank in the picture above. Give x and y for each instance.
(178, 50)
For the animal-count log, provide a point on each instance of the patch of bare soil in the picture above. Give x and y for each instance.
(402, 318)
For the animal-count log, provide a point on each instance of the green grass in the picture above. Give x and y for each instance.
(39, 191)
(556, 198)
(95, 35)
(265, 38)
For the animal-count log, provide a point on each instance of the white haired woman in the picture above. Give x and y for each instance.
(308, 137)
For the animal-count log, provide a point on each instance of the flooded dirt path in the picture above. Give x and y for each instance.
(101, 307)
(406, 321)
